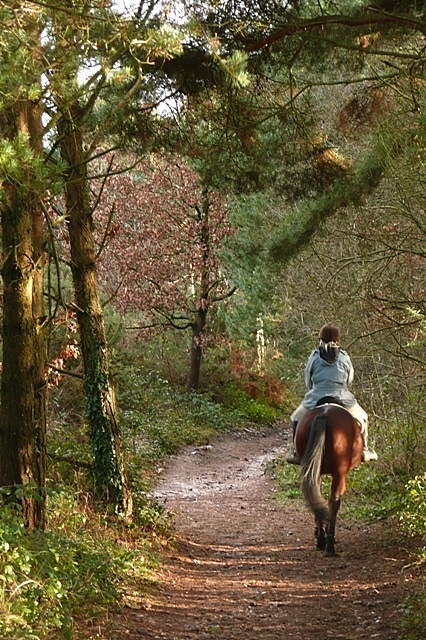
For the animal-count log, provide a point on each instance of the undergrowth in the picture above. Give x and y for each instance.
(78, 565)
(158, 420)
(412, 518)
(81, 567)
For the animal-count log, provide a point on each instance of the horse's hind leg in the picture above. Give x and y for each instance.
(338, 488)
(331, 528)
(321, 517)
(320, 534)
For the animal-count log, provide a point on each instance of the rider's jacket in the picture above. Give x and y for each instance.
(323, 378)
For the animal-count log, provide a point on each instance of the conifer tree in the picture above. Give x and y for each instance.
(23, 385)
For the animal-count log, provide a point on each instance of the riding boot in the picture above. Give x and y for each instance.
(293, 458)
(367, 454)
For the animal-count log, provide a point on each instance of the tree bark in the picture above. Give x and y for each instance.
(109, 461)
(198, 326)
(23, 385)
(197, 349)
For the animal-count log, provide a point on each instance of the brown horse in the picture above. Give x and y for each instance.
(328, 441)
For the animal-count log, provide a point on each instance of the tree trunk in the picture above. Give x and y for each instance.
(23, 385)
(109, 462)
(200, 322)
(196, 349)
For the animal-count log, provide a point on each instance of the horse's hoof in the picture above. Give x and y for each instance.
(330, 553)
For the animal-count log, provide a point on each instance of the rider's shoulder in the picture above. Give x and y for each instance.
(344, 357)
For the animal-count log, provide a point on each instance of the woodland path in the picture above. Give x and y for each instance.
(245, 567)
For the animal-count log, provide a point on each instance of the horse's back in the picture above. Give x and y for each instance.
(343, 443)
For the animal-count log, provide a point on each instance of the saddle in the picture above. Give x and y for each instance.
(329, 400)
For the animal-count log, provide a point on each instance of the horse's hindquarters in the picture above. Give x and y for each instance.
(328, 440)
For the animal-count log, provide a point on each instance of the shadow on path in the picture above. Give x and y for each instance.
(245, 567)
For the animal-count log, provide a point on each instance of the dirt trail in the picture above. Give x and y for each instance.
(246, 568)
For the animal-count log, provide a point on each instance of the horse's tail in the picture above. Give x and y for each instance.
(311, 468)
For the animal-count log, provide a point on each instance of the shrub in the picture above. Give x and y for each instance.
(413, 514)
(249, 408)
(413, 521)
(49, 577)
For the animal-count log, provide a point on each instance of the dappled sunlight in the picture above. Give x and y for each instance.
(245, 567)
(238, 588)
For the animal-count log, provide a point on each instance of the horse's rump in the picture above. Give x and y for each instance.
(343, 441)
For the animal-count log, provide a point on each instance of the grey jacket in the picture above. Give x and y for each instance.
(324, 379)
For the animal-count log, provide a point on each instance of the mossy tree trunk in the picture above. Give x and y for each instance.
(23, 384)
(109, 461)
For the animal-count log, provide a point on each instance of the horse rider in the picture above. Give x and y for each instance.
(329, 373)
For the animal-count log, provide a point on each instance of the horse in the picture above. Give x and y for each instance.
(328, 440)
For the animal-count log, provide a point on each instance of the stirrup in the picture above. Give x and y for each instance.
(368, 455)
(292, 458)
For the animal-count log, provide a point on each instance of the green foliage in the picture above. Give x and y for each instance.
(287, 480)
(299, 223)
(251, 409)
(400, 436)
(412, 518)
(19, 164)
(374, 494)
(413, 515)
(157, 419)
(235, 68)
(48, 577)
(414, 616)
